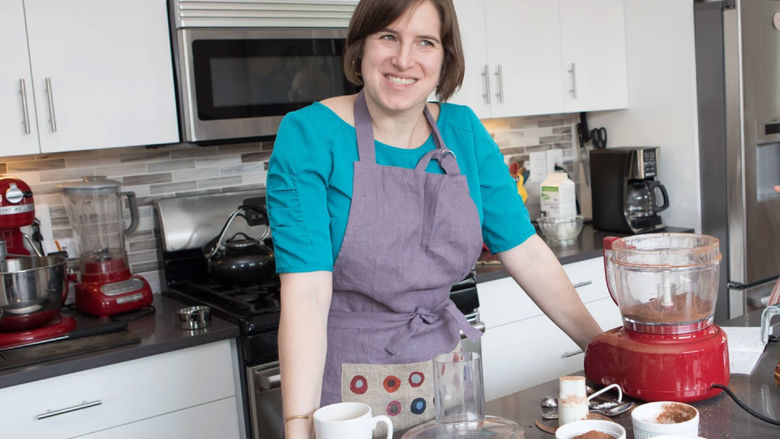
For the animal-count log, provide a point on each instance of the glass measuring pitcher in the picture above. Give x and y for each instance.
(460, 403)
(664, 283)
(94, 207)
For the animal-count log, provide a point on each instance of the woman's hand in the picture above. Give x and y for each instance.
(303, 340)
(536, 269)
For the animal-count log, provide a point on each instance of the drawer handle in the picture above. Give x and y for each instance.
(583, 284)
(476, 324)
(82, 406)
(571, 354)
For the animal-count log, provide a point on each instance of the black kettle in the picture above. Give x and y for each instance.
(240, 260)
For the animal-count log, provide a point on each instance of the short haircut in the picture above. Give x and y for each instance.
(371, 16)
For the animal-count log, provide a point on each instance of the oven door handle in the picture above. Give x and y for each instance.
(268, 382)
(475, 323)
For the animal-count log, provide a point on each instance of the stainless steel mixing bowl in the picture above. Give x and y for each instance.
(32, 291)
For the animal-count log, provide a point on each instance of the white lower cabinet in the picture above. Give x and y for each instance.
(178, 391)
(207, 421)
(530, 349)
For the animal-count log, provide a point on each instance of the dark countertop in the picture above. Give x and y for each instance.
(588, 246)
(720, 416)
(158, 333)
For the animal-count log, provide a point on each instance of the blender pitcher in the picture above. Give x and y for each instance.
(94, 207)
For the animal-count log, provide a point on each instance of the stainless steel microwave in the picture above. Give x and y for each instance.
(241, 66)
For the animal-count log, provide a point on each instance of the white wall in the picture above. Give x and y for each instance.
(662, 100)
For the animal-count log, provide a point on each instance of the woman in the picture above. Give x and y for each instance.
(378, 203)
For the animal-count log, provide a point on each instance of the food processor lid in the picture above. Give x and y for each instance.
(666, 250)
(91, 185)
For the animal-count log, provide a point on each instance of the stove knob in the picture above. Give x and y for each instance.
(14, 194)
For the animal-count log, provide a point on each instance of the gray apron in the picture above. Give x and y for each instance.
(410, 236)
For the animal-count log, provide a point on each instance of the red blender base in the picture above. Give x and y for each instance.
(660, 367)
(106, 299)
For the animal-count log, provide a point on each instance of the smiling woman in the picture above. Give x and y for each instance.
(400, 194)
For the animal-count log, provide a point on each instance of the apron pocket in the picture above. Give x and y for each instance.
(403, 392)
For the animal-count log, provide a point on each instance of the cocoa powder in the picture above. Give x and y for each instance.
(687, 307)
(594, 434)
(675, 413)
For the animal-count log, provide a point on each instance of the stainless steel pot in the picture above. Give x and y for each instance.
(32, 291)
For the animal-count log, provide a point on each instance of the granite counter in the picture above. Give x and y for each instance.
(589, 245)
(156, 333)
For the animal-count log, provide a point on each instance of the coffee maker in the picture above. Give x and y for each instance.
(625, 191)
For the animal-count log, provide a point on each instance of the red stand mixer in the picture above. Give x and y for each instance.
(95, 211)
(33, 287)
(16, 210)
(668, 349)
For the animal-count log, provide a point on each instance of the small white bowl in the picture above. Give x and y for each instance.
(644, 419)
(577, 428)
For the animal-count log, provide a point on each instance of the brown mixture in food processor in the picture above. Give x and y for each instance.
(675, 413)
(688, 307)
(594, 434)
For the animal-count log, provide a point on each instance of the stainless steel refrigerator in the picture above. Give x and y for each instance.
(738, 81)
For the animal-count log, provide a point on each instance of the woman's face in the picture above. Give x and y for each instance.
(401, 64)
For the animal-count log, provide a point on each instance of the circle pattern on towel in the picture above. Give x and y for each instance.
(418, 406)
(393, 408)
(416, 379)
(358, 385)
(391, 383)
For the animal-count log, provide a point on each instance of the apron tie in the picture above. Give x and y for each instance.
(421, 317)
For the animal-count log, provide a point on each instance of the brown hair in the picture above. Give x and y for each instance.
(371, 16)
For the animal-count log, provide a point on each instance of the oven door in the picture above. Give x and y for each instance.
(239, 82)
(265, 400)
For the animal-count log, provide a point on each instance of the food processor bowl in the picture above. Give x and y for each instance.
(664, 283)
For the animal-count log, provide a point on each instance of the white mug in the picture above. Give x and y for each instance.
(348, 420)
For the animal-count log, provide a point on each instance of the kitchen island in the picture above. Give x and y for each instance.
(720, 416)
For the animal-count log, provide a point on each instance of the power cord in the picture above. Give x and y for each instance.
(744, 406)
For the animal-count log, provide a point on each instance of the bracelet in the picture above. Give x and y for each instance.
(294, 417)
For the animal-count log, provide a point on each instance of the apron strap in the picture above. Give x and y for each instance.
(364, 132)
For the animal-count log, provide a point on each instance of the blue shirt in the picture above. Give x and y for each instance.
(309, 183)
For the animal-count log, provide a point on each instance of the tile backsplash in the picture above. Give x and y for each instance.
(153, 172)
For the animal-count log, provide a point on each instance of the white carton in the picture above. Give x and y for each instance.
(558, 198)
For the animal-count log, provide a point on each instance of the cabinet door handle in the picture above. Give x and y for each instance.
(573, 77)
(499, 85)
(25, 110)
(571, 354)
(82, 406)
(486, 85)
(50, 95)
(583, 284)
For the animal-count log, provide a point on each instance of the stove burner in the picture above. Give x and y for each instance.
(261, 298)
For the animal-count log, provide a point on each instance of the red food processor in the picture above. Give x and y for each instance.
(33, 287)
(668, 349)
(106, 287)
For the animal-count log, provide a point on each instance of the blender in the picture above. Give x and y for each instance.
(668, 349)
(94, 207)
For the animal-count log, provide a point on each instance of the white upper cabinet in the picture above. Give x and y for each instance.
(526, 57)
(18, 126)
(593, 50)
(102, 73)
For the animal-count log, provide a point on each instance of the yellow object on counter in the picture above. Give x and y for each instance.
(521, 188)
